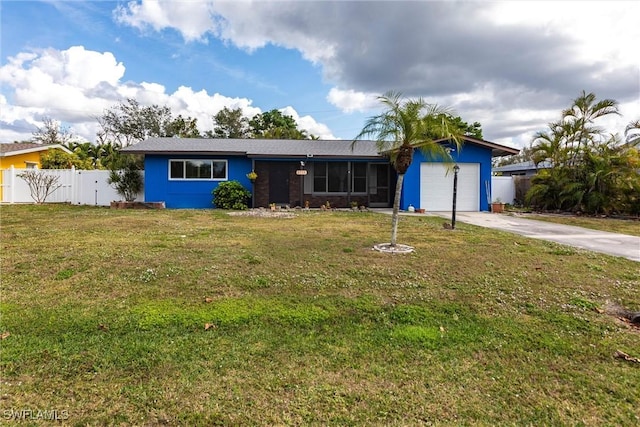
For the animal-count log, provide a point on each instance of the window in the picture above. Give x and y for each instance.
(320, 177)
(333, 177)
(337, 173)
(215, 170)
(359, 177)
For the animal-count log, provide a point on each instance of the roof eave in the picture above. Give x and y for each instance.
(500, 152)
(185, 153)
(35, 150)
(314, 156)
(497, 150)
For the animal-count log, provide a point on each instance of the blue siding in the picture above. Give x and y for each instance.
(470, 153)
(188, 194)
(197, 194)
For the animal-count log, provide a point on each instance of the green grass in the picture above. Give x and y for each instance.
(307, 325)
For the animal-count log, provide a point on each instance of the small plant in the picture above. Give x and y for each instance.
(231, 195)
(497, 206)
(149, 275)
(252, 176)
(41, 184)
(127, 178)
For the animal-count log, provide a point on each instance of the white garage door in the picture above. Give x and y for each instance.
(436, 187)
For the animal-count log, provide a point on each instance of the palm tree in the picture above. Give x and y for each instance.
(591, 172)
(404, 126)
(632, 132)
(583, 113)
(549, 146)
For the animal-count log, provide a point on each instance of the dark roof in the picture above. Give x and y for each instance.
(13, 149)
(294, 148)
(255, 147)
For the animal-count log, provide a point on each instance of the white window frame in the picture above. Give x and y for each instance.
(184, 169)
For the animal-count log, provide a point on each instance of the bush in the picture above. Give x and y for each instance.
(41, 184)
(231, 195)
(56, 159)
(127, 179)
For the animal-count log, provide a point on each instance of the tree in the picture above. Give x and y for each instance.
(473, 130)
(183, 127)
(632, 132)
(230, 124)
(407, 125)
(275, 125)
(525, 155)
(41, 184)
(57, 159)
(52, 132)
(129, 122)
(549, 146)
(591, 172)
(108, 155)
(580, 119)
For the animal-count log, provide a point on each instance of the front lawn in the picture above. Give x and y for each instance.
(196, 317)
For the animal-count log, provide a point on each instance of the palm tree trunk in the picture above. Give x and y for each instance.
(396, 210)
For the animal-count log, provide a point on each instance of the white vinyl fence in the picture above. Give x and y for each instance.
(90, 187)
(503, 188)
(78, 187)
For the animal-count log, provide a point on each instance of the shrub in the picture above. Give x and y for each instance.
(231, 195)
(56, 159)
(127, 179)
(41, 184)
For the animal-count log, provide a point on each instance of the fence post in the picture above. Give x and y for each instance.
(12, 183)
(72, 184)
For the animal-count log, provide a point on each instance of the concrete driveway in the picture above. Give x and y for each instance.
(614, 244)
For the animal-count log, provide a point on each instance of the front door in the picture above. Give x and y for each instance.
(279, 183)
(379, 185)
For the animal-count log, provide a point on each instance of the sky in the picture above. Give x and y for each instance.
(513, 65)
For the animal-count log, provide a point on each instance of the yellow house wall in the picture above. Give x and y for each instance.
(18, 161)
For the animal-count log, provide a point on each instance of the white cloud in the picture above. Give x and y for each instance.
(248, 24)
(51, 83)
(506, 64)
(308, 124)
(603, 31)
(349, 100)
(192, 18)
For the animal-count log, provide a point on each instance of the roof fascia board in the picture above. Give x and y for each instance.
(187, 153)
(495, 148)
(35, 150)
(311, 157)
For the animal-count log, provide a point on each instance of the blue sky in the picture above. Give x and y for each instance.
(512, 66)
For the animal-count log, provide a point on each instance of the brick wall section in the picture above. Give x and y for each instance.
(335, 201)
(261, 186)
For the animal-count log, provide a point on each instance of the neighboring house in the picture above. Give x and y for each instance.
(23, 155)
(521, 169)
(183, 173)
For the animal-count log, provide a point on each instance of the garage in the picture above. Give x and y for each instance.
(436, 187)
